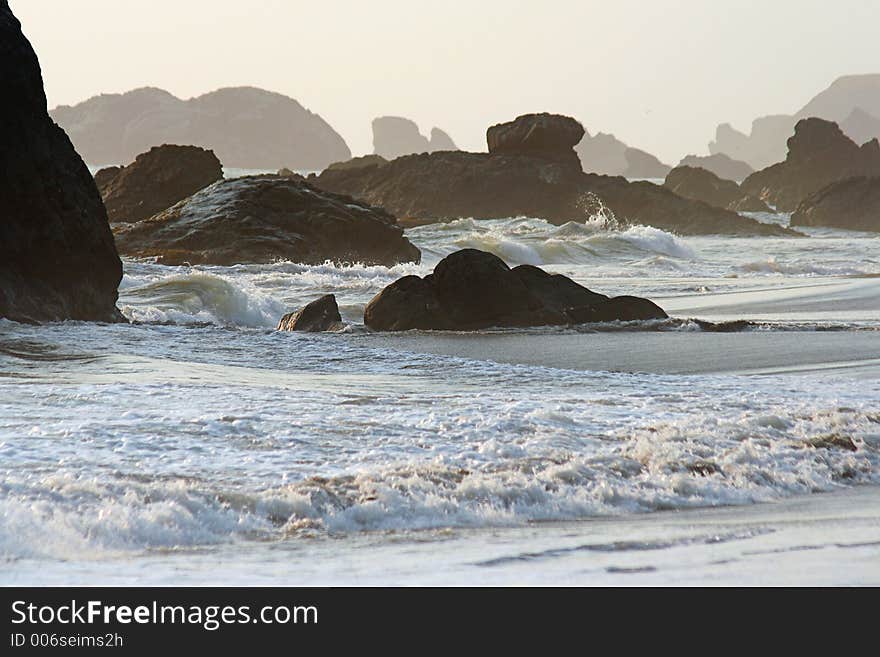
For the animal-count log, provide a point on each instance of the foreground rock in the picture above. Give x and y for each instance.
(246, 127)
(702, 185)
(156, 180)
(261, 219)
(471, 290)
(721, 165)
(57, 257)
(318, 316)
(395, 136)
(852, 204)
(818, 155)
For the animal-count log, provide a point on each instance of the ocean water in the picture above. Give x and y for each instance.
(198, 445)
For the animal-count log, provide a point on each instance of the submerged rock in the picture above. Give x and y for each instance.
(471, 290)
(818, 155)
(320, 315)
(702, 185)
(261, 219)
(852, 204)
(57, 257)
(156, 180)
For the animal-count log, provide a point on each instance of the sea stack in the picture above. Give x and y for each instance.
(57, 256)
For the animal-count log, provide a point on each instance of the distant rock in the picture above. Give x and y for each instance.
(702, 185)
(721, 165)
(472, 290)
(319, 316)
(549, 184)
(395, 136)
(57, 257)
(818, 155)
(764, 146)
(605, 154)
(261, 219)
(244, 126)
(359, 163)
(851, 204)
(156, 180)
(546, 136)
(861, 126)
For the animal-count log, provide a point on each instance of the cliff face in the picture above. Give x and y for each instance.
(246, 127)
(57, 256)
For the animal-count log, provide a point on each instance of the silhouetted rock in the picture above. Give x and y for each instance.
(721, 165)
(851, 204)
(244, 126)
(395, 136)
(472, 290)
(818, 155)
(702, 185)
(105, 176)
(318, 316)
(605, 154)
(57, 257)
(861, 126)
(262, 219)
(546, 136)
(158, 179)
(359, 163)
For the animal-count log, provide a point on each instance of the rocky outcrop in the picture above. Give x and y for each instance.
(548, 184)
(244, 126)
(395, 136)
(105, 176)
(852, 204)
(319, 316)
(818, 155)
(57, 257)
(262, 219)
(156, 180)
(359, 163)
(702, 185)
(721, 165)
(605, 154)
(545, 136)
(861, 126)
(763, 146)
(472, 290)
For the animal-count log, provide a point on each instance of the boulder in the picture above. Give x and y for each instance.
(702, 185)
(472, 290)
(818, 155)
(158, 179)
(319, 316)
(851, 204)
(723, 166)
(546, 136)
(247, 128)
(57, 256)
(261, 219)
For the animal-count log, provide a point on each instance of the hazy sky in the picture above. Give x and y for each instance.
(659, 74)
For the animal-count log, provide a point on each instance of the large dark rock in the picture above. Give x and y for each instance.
(57, 257)
(156, 180)
(546, 136)
(319, 316)
(852, 204)
(472, 290)
(723, 166)
(395, 136)
(818, 155)
(441, 186)
(702, 185)
(261, 219)
(244, 126)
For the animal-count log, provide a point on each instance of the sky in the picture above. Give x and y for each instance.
(660, 75)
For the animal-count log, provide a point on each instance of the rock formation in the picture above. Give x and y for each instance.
(244, 126)
(851, 204)
(319, 316)
(605, 154)
(395, 136)
(156, 180)
(359, 163)
(818, 155)
(721, 165)
(527, 173)
(861, 126)
(57, 257)
(472, 290)
(702, 185)
(261, 219)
